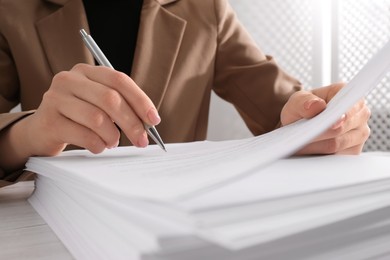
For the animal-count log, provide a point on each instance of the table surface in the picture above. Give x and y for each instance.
(23, 233)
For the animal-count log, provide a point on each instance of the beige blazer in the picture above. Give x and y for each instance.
(185, 49)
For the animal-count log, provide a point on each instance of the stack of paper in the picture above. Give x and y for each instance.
(296, 206)
(224, 200)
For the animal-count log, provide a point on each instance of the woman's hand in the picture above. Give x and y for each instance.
(347, 136)
(82, 107)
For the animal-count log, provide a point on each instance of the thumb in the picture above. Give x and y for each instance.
(302, 104)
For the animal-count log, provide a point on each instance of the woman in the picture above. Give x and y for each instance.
(175, 53)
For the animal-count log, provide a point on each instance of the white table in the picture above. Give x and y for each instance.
(23, 233)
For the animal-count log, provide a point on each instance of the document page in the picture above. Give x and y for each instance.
(189, 168)
(298, 176)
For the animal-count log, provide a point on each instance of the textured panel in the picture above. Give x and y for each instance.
(281, 28)
(363, 27)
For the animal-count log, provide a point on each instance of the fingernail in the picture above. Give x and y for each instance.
(143, 141)
(340, 122)
(308, 104)
(154, 116)
(115, 145)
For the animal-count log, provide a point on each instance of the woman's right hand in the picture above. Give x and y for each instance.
(83, 107)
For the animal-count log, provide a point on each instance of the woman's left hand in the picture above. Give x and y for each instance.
(346, 136)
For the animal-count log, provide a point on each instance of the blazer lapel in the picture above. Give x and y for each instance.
(159, 39)
(59, 33)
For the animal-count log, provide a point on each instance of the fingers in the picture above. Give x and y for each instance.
(123, 101)
(140, 103)
(351, 142)
(101, 107)
(302, 104)
(62, 120)
(307, 104)
(346, 136)
(84, 106)
(328, 92)
(356, 117)
(92, 118)
(73, 133)
(50, 133)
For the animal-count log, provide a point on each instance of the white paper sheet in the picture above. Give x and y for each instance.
(297, 176)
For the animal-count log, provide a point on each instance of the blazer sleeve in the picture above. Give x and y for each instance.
(9, 98)
(7, 178)
(246, 77)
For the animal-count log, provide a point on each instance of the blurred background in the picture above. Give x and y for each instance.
(318, 42)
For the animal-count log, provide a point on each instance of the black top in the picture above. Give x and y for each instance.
(114, 26)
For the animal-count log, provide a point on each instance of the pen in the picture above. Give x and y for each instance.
(102, 60)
